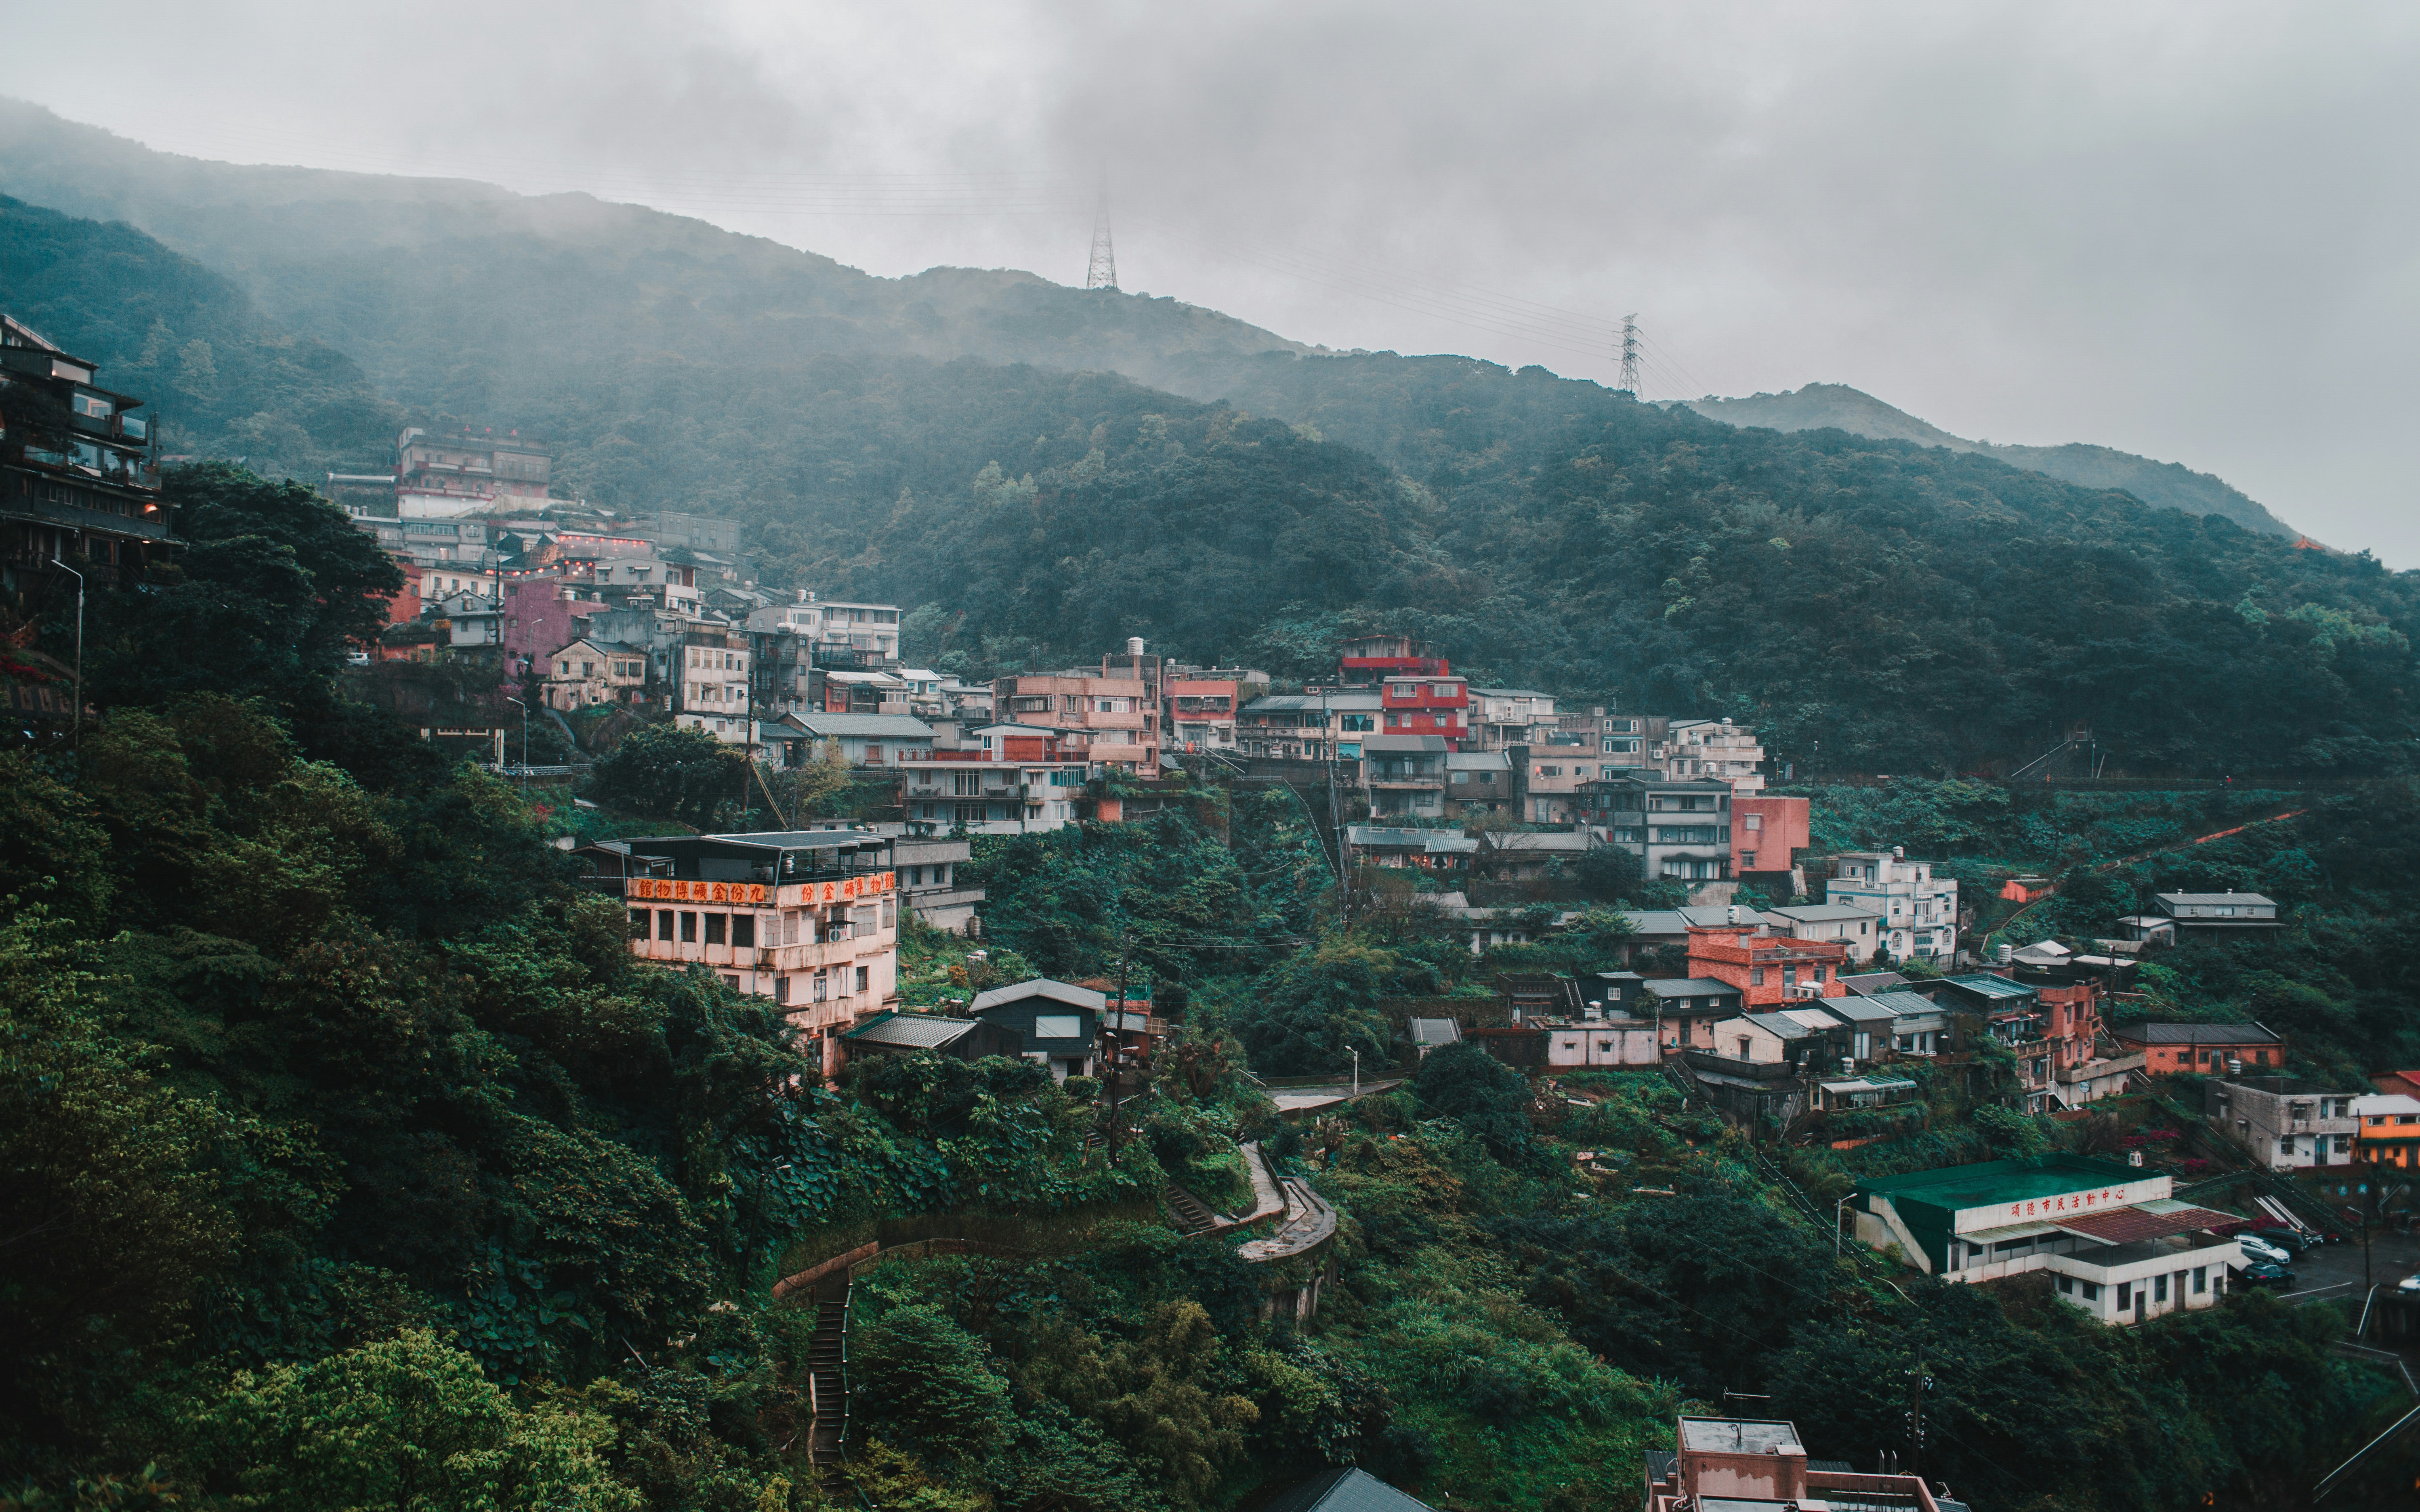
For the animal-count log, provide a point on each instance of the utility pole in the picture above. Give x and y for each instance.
(1335, 817)
(525, 708)
(1117, 1016)
(1629, 382)
(1918, 1383)
(75, 728)
(1103, 270)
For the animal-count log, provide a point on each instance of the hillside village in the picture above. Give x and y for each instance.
(1650, 952)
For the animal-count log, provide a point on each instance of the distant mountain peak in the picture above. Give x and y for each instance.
(1837, 406)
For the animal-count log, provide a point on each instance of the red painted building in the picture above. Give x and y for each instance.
(1769, 970)
(1426, 706)
(1766, 832)
(1375, 658)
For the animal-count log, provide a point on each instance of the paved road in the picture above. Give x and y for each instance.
(2334, 1271)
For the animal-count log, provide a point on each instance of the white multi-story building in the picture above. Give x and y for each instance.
(710, 687)
(2287, 1123)
(1918, 909)
(1716, 748)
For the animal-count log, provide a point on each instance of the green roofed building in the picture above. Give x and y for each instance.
(2118, 1244)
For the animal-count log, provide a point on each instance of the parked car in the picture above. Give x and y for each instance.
(2264, 1275)
(2292, 1241)
(2261, 1251)
(2410, 1283)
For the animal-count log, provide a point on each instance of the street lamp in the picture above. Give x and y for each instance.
(1835, 1223)
(525, 708)
(75, 728)
(1357, 1073)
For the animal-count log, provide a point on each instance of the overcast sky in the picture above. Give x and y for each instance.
(2184, 230)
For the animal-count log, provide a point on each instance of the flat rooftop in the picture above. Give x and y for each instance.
(1738, 1435)
(2003, 1182)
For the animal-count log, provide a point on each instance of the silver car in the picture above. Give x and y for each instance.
(2260, 1249)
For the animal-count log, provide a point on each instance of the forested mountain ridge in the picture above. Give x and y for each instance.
(466, 298)
(1868, 605)
(2167, 485)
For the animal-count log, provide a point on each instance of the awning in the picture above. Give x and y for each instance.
(2130, 1226)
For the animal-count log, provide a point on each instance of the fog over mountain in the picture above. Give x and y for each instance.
(2177, 231)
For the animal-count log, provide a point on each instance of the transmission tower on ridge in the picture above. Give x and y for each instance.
(1102, 273)
(1629, 384)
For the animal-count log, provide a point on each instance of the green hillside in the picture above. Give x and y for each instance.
(2168, 485)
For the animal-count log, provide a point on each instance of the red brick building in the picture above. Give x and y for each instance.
(1769, 970)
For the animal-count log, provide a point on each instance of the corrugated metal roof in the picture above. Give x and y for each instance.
(1824, 914)
(1871, 982)
(1435, 1031)
(1904, 1005)
(1689, 987)
(1285, 703)
(1056, 991)
(887, 726)
(2131, 1226)
(1984, 984)
(1505, 839)
(2197, 1034)
(915, 1031)
(1350, 1490)
(2199, 898)
(1478, 761)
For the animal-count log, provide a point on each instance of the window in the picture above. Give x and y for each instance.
(2202, 1279)
(2091, 1291)
(1057, 1026)
(1755, 822)
(743, 930)
(782, 989)
(863, 975)
(965, 784)
(823, 986)
(2285, 1144)
(2066, 1285)
(663, 924)
(2159, 1288)
(688, 926)
(714, 928)
(890, 913)
(639, 923)
(1756, 976)
(2125, 1295)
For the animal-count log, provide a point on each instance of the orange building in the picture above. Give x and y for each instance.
(1769, 970)
(2387, 1129)
(2206, 1048)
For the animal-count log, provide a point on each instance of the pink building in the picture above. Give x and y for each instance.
(1765, 832)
